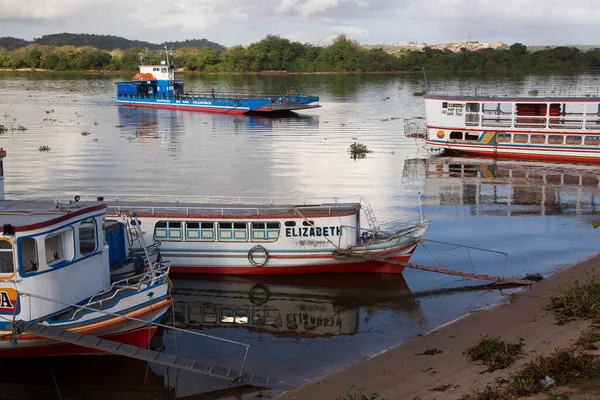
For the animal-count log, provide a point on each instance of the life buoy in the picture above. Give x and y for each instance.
(170, 83)
(251, 256)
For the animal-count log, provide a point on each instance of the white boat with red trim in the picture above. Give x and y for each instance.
(256, 236)
(55, 271)
(543, 128)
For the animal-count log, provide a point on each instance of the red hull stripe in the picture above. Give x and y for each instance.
(138, 337)
(59, 219)
(355, 267)
(501, 130)
(527, 156)
(202, 109)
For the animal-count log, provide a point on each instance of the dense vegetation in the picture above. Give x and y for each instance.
(102, 42)
(274, 53)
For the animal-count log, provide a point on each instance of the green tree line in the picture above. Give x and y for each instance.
(274, 53)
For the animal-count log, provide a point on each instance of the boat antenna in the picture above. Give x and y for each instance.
(425, 77)
(167, 51)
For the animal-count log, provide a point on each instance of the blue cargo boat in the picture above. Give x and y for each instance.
(155, 86)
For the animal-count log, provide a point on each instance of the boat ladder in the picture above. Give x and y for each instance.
(369, 214)
(139, 353)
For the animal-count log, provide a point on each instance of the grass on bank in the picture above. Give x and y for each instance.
(578, 301)
(572, 366)
(494, 352)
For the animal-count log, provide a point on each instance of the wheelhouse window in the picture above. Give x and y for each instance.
(265, 231)
(87, 236)
(6, 257)
(29, 255)
(59, 247)
(290, 223)
(555, 139)
(200, 231)
(168, 230)
(233, 231)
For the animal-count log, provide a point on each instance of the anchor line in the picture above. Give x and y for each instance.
(445, 271)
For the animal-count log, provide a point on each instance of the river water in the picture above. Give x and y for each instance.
(298, 328)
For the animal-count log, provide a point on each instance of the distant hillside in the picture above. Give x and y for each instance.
(103, 42)
(12, 43)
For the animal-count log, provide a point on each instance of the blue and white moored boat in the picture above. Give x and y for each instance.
(155, 86)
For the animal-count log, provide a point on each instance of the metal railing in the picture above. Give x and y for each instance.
(529, 92)
(147, 323)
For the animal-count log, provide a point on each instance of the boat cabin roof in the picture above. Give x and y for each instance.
(35, 214)
(533, 99)
(233, 210)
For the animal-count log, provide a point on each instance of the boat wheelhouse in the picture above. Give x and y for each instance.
(247, 237)
(563, 129)
(155, 86)
(55, 271)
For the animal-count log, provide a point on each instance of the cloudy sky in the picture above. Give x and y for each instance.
(231, 22)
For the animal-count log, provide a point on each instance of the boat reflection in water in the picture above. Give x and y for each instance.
(301, 306)
(529, 188)
(145, 124)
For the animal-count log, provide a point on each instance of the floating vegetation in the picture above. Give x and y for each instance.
(494, 352)
(588, 338)
(44, 148)
(418, 94)
(5, 115)
(49, 111)
(358, 150)
(386, 98)
(3, 129)
(95, 140)
(84, 133)
(119, 126)
(127, 116)
(385, 120)
(96, 123)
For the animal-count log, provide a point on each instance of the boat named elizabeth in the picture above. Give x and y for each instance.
(155, 86)
(257, 237)
(544, 128)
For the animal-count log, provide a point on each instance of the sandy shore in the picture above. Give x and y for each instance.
(401, 373)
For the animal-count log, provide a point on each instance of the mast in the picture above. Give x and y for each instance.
(167, 51)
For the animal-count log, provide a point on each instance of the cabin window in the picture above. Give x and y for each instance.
(87, 236)
(456, 135)
(573, 140)
(290, 223)
(168, 230)
(472, 107)
(471, 136)
(538, 139)
(163, 70)
(265, 231)
(200, 231)
(29, 255)
(504, 137)
(520, 138)
(592, 140)
(59, 247)
(6, 257)
(233, 231)
(555, 139)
